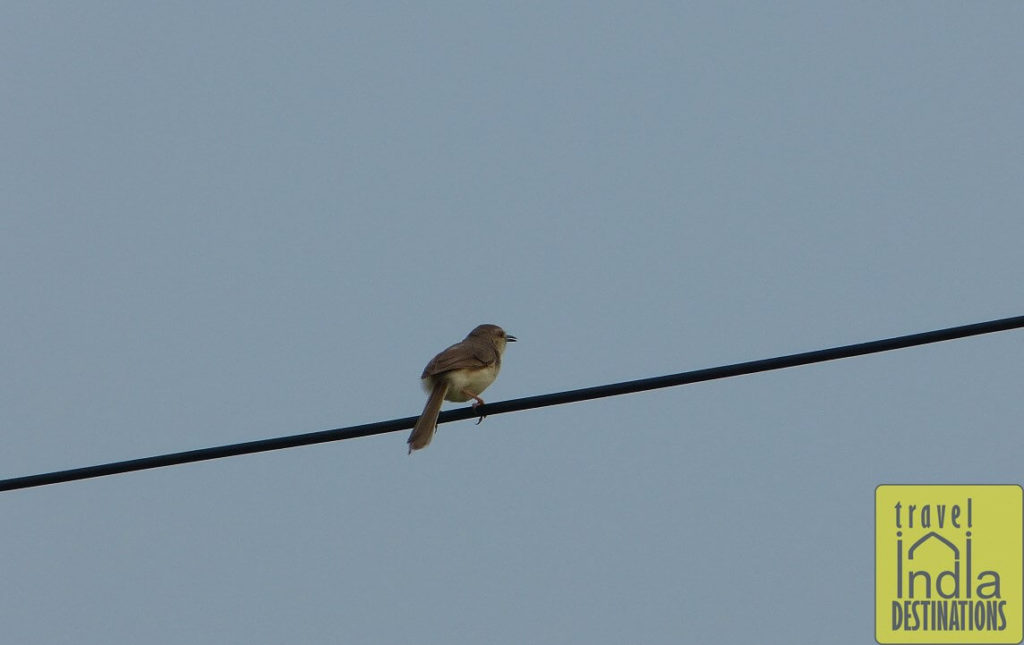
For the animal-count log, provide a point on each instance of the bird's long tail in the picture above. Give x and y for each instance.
(423, 431)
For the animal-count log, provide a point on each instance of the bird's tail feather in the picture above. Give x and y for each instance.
(423, 431)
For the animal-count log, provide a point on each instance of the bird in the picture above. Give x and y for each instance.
(459, 373)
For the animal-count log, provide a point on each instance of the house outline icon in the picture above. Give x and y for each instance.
(928, 536)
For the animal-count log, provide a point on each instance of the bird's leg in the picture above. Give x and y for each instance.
(477, 402)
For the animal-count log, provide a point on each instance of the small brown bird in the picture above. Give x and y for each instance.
(459, 373)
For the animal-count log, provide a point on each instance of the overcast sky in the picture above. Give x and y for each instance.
(228, 221)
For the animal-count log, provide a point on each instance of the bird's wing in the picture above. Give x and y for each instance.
(460, 356)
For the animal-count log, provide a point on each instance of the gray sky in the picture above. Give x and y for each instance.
(232, 221)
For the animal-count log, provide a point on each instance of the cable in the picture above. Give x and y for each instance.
(514, 405)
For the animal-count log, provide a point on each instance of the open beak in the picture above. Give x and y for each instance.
(510, 338)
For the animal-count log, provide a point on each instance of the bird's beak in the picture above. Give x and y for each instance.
(510, 338)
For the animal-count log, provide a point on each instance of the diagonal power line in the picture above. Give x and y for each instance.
(515, 405)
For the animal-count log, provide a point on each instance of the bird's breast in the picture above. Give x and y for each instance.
(473, 380)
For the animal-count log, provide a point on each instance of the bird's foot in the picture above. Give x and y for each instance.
(476, 404)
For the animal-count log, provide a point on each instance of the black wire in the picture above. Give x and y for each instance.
(514, 405)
